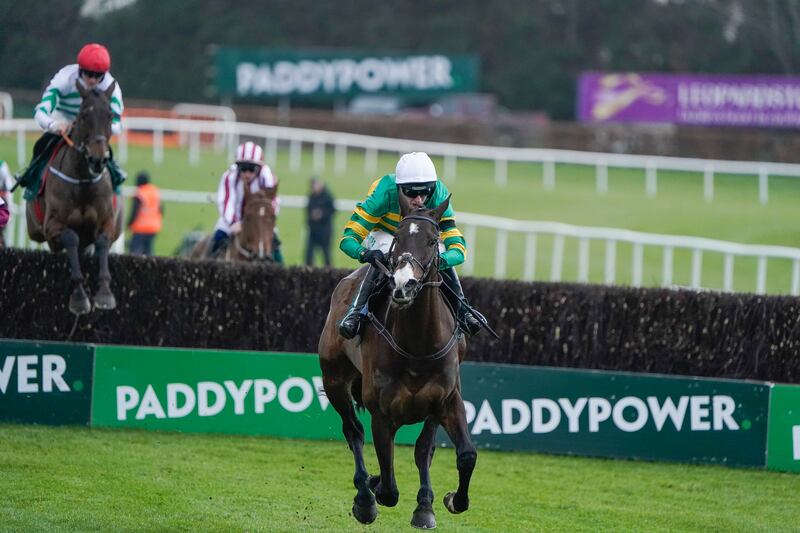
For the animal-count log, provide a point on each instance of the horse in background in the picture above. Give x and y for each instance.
(77, 206)
(405, 369)
(255, 241)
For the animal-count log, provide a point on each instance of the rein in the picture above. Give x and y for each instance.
(252, 254)
(81, 149)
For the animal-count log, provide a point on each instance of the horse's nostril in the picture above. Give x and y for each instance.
(410, 284)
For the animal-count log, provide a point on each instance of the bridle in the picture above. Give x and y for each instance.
(408, 257)
(83, 149)
(403, 258)
(259, 254)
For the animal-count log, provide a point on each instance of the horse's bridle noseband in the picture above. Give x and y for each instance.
(253, 254)
(407, 257)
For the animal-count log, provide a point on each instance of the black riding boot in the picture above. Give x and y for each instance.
(219, 243)
(277, 254)
(455, 296)
(31, 176)
(117, 174)
(349, 325)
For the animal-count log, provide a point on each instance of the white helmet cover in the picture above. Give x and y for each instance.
(250, 152)
(415, 167)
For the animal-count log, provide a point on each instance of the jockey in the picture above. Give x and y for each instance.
(59, 107)
(368, 235)
(249, 170)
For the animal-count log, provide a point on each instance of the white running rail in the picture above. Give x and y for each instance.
(340, 143)
(470, 223)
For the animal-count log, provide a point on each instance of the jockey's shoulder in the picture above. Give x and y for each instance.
(66, 78)
(381, 185)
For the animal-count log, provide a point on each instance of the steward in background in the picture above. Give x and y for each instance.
(146, 218)
(319, 217)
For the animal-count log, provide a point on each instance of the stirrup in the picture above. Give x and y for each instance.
(471, 327)
(346, 328)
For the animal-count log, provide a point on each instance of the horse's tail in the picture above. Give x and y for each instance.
(355, 392)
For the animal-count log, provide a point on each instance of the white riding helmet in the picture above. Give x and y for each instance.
(415, 167)
(250, 152)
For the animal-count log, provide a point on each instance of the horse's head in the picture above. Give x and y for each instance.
(415, 251)
(258, 224)
(93, 125)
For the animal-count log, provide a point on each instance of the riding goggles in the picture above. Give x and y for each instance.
(412, 190)
(92, 74)
(248, 167)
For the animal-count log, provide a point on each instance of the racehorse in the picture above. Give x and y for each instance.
(77, 206)
(404, 370)
(254, 242)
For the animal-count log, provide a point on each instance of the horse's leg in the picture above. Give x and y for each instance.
(78, 300)
(423, 517)
(455, 423)
(336, 380)
(103, 298)
(385, 486)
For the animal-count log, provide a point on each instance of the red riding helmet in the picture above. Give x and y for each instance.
(94, 57)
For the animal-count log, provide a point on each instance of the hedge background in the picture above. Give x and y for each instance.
(174, 302)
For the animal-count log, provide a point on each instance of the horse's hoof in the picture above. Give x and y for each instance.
(423, 519)
(452, 506)
(365, 515)
(79, 302)
(105, 300)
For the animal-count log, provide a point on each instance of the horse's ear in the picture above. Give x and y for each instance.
(404, 205)
(110, 90)
(81, 89)
(439, 210)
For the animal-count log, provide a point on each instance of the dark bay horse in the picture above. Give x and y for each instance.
(404, 370)
(77, 207)
(254, 242)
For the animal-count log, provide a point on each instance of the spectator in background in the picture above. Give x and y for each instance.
(6, 183)
(146, 216)
(319, 216)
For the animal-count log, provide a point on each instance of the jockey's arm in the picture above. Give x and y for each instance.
(117, 108)
(454, 243)
(48, 123)
(364, 218)
(227, 197)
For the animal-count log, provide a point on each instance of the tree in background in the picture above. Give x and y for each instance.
(531, 51)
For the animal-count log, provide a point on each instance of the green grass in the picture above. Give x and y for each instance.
(80, 479)
(735, 214)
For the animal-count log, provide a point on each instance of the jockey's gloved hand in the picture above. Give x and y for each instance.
(373, 257)
(58, 127)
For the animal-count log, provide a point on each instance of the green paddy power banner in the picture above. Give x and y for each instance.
(508, 407)
(784, 428)
(616, 414)
(327, 75)
(45, 382)
(252, 393)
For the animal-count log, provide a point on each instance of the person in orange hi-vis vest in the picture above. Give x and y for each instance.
(146, 216)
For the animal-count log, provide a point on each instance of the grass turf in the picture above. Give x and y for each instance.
(80, 479)
(679, 208)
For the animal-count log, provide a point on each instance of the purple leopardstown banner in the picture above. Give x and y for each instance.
(750, 101)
